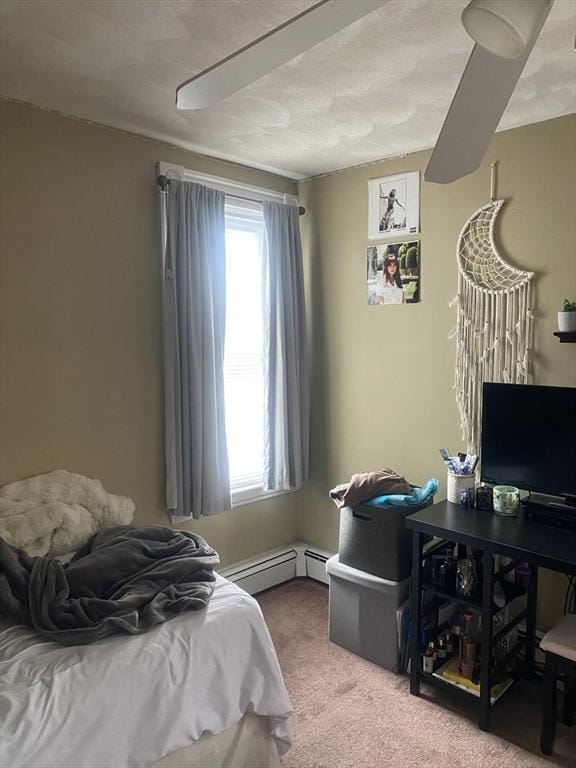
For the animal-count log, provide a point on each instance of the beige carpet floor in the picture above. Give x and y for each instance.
(350, 713)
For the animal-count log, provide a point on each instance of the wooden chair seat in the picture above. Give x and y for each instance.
(559, 646)
(561, 639)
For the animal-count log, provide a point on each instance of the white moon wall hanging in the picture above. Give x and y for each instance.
(494, 323)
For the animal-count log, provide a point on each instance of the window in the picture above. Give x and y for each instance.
(243, 355)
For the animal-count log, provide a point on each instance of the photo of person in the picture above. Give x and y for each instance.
(389, 288)
(393, 273)
(394, 205)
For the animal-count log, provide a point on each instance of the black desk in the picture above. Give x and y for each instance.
(522, 541)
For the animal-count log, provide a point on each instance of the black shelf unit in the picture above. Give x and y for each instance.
(450, 596)
(566, 337)
(475, 602)
(483, 603)
(495, 696)
(476, 605)
(523, 541)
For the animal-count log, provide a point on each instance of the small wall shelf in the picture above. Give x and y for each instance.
(566, 337)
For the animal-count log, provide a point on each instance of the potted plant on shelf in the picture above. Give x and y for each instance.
(567, 317)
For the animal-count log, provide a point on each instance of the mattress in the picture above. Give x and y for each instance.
(247, 744)
(128, 701)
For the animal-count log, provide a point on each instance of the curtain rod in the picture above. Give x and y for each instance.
(164, 182)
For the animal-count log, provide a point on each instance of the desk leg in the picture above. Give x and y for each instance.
(486, 640)
(415, 615)
(531, 605)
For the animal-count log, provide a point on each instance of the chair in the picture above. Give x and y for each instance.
(559, 646)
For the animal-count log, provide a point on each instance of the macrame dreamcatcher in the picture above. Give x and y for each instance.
(493, 328)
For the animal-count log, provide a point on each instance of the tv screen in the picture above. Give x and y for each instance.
(528, 437)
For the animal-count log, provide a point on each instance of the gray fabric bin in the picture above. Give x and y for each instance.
(375, 539)
(363, 613)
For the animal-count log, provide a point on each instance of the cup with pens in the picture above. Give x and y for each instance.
(461, 478)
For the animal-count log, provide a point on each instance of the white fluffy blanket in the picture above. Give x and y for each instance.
(56, 513)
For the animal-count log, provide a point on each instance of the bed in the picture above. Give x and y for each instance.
(204, 689)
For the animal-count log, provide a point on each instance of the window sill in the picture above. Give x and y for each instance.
(253, 495)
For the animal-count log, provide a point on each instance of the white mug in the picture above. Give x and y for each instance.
(506, 500)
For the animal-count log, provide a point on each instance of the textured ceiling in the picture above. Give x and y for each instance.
(377, 89)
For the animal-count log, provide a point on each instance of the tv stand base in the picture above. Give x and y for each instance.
(550, 512)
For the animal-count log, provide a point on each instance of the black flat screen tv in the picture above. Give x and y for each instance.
(528, 438)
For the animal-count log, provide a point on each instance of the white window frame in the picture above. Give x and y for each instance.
(247, 216)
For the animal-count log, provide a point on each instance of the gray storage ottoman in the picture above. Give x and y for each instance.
(363, 612)
(376, 540)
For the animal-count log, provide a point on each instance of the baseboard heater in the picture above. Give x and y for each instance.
(277, 566)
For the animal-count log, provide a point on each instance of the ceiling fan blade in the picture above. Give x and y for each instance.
(271, 50)
(480, 100)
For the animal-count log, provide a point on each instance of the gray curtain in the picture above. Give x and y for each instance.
(286, 383)
(194, 307)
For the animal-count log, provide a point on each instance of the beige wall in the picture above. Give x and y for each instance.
(382, 383)
(80, 377)
(80, 366)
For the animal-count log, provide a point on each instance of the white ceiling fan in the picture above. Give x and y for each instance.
(505, 32)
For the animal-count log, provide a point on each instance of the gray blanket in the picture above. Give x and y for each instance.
(126, 579)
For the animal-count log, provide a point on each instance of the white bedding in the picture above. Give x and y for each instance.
(129, 700)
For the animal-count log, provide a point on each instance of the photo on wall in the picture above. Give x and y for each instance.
(394, 205)
(393, 273)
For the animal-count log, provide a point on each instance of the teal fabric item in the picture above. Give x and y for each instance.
(419, 495)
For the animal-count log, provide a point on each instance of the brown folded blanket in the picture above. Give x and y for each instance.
(366, 485)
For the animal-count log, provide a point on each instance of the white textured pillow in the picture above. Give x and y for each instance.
(50, 529)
